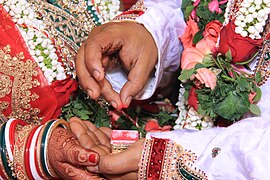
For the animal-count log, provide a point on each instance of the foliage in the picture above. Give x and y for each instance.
(230, 98)
(86, 109)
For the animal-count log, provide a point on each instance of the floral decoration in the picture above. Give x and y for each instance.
(216, 88)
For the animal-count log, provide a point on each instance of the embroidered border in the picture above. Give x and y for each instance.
(165, 160)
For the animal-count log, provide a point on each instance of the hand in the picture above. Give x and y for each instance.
(114, 166)
(124, 163)
(132, 45)
(67, 158)
(207, 77)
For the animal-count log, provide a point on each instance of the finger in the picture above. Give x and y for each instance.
(113, 163)
(101, 43)
(80, 131)
(109, 94)
(78, 155)
(87, 82)
(137, 79)
(93, 58)
(103, 133)
(107, 131)
(67, 171)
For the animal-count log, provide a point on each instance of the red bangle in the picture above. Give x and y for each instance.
(12, 130)
(27, 154)
(36, 157)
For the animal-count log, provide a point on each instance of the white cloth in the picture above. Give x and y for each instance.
(164, 20)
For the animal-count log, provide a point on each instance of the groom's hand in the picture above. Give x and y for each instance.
(127, 42)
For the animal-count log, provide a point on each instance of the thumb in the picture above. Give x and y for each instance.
(78, 155)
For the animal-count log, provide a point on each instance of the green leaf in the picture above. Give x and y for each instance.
(198, 66)
(258, 77)
(232, 107)
(258, 95)
(197, 37)
(208, 61)
(254, 109)
(78, 106)
(242, 84)
(228, 56)
(186, 74)
(188, 10)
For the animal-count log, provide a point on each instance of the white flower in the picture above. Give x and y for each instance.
(252, 9)
(249, 18)
(258, 2)
(238, 30)
(244, 33)
(251, 30)
(261, 13)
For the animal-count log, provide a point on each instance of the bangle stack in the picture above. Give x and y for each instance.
(23, 149)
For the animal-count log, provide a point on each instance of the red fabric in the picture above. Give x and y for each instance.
(156, 158)
(128, 3)
(51, 98)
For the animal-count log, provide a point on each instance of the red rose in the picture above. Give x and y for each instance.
(242, 48)
(193, 98)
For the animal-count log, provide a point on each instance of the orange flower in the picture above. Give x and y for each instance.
(212, 30)
(190, 57)
(193, 55)
(251, 97)
(153, 126)
(190, 31)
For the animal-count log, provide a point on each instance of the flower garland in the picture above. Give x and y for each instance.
(251, 18)
(41, 46)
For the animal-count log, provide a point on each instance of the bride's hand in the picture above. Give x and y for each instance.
(67, 158)
(114, 166)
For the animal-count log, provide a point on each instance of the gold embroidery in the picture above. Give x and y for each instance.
(177, 163)
(69, 24)
(263, 61)
(5, 85)
(22, 73)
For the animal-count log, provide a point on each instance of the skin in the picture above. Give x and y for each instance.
(129, 43)
(67, 158)
(119, 166)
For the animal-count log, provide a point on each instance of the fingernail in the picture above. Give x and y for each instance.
(89, 92)
(96, 74)
(127, 102)
(92, 158)
(113, 103)
(120, 106)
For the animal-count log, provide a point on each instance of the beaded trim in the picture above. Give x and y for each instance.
(135, 11)
(263, 62)
(175, 162)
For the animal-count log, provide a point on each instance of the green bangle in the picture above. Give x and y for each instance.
(42, 148)
(4, 153)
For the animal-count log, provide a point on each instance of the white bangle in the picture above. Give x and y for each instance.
(32, 153)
